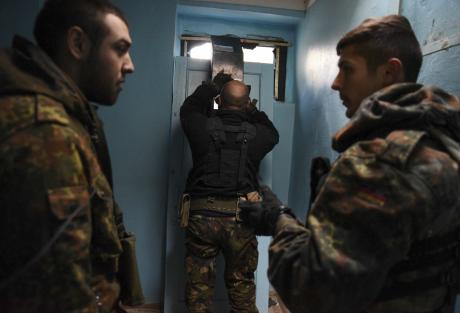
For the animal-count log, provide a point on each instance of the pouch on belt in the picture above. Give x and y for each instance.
(184, 210)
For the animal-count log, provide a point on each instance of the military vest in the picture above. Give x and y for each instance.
(226, 170)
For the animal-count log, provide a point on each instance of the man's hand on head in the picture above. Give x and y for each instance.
(220, 80)
(251, 106)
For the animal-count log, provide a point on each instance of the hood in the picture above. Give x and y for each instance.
(404, 106)
(26, 69)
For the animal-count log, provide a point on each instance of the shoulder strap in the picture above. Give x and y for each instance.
(248, 131)
(215, 128)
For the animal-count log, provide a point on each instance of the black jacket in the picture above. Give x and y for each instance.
(194, 114)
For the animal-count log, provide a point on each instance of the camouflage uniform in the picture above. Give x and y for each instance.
(206, 238)
(54, 164)
(395, 185)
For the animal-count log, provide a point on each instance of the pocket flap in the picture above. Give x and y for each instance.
(64, 201)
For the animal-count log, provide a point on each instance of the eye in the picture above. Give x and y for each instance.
(347, 69)
(121, 48)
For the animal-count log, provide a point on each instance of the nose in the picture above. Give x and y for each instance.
(128, 65)
(336, 83)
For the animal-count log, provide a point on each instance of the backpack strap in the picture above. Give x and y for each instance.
(215, 128)
(248, 131)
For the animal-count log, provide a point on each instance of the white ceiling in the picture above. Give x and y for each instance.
(299, 5)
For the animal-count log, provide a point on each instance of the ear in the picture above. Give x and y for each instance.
(218, 100)
(393, 72)
(78, 43)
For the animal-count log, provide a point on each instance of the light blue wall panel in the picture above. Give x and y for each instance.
(283, 119)
(319, 113)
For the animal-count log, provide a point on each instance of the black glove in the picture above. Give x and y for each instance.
(262, 216)
(220, 80)
(251, 107)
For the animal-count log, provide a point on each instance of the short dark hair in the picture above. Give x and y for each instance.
(57, 16)
(379, 39)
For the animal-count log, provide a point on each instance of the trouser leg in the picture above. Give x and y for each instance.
(241, 257)
(200, 264)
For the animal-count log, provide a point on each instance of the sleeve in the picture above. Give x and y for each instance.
(361, 224)
(267, 134)
(47, 220)
(200, 103)
(194, 114)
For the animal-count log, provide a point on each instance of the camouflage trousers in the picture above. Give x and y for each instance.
(205, 238)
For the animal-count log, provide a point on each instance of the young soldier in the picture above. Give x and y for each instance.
(64, 245)
(382, 232)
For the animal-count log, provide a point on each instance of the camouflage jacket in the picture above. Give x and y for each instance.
(53, 164)
(396, 183)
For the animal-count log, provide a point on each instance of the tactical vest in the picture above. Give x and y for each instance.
(226, 170)
(440, 252)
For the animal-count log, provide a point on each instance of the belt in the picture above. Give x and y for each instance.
(221, 204)
(215, 207)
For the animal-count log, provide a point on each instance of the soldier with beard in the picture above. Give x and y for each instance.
(63, 242)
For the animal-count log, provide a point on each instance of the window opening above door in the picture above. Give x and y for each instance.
(254, 50)
(257, 55)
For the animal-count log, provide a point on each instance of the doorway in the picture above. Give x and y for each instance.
(188, 74)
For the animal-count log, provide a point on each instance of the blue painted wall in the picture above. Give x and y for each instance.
(17, 17)
(138, 127)
(283, 119)
(437, 21)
